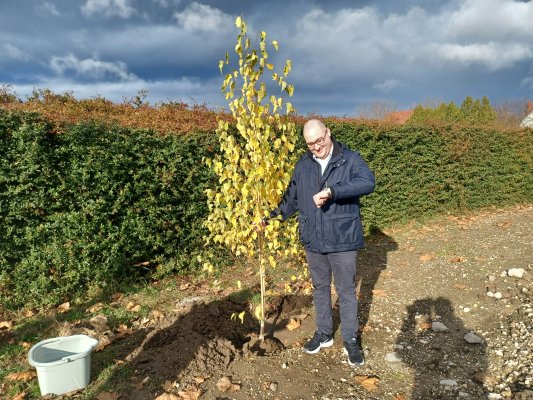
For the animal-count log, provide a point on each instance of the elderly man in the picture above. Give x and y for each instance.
(324, 189)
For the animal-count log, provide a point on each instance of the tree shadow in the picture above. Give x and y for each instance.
(372, 261)
(445, 365)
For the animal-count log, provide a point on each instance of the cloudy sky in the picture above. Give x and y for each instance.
(346, 55)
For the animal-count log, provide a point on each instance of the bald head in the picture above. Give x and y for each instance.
(318, 138)
(313, 127)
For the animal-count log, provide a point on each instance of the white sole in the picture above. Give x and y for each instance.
(351, 363)
(325, 344)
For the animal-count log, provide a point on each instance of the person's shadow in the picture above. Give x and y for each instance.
(444, 364)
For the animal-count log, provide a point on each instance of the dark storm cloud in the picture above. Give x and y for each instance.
(345, 53)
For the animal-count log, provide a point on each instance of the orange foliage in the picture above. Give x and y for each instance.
(166, 118)
(63, 110)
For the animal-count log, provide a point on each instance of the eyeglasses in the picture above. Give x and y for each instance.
(319, 141)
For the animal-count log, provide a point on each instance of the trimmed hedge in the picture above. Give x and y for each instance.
(99, 205)
(94, 206)
(425, 170)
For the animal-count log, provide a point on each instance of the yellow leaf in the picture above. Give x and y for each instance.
(23, 376)
(241, 316)
(238, 22)
(224, 384)
(63, 307)
(424, 325)
(95, 307)
(275, 44)
(123, 330)
(456, 259)
(426, 257)
(258, 313)
(191, 393)
(293, 324)
(270, 66)
(103, 341)
(133, 307)
(6, 325)
(367, 381)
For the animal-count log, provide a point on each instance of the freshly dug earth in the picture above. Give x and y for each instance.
(421, 288)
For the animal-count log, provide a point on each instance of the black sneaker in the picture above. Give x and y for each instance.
(318, 341)
(355, 357)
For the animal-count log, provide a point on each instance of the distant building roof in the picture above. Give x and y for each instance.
(399, 117)
(527, 121)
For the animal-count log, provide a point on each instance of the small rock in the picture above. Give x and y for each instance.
(490, 294)
(494, 396)
(274, 386)
(392, 357)
(472, 338)
(448, 382)
(516, 272)
(492, 278)
(285, 365)
(498, 295)
(439, 327)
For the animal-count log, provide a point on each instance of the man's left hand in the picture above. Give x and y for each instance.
(321, 198)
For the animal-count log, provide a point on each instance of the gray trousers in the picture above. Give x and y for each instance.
(343, 266)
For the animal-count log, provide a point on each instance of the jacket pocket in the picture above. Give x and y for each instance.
(303, 227)
(344, 228)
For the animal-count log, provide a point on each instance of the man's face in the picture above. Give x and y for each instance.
(319, 142)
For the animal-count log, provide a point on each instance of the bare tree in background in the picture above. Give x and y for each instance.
(378, 110)
(510, 113)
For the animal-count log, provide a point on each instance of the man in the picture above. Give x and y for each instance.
(325, 188)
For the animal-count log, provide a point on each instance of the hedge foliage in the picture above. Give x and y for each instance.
(423, 170)
(99, 204)
(95, 205)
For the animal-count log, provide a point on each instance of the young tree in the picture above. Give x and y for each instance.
(255, 162)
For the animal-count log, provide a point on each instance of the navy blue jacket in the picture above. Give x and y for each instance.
(336, 226)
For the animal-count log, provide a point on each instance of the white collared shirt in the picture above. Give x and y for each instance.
(324, 161)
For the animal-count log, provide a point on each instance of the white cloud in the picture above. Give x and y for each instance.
(494, 56)
(187, 89)
(492, 20)
(91, 69)
(388, 84)
(49, 8)
(9, 51)
(108, 8)
(203, 18)
(362, 43)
